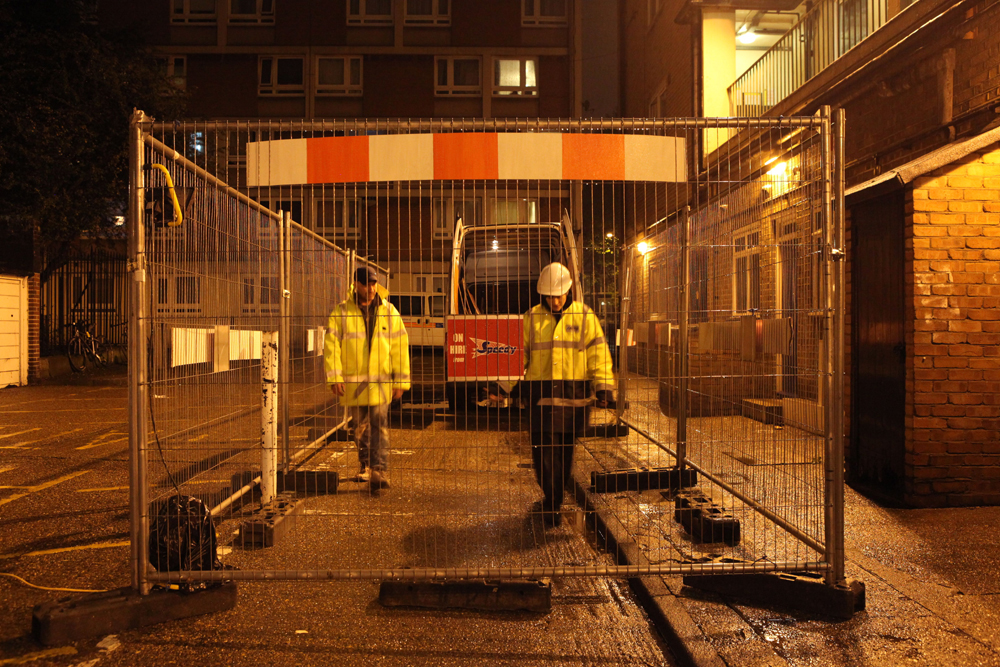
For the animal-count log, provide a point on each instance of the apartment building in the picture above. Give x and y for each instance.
(275, 61)
(919, 83)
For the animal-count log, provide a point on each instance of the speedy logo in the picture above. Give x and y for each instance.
(487, 347)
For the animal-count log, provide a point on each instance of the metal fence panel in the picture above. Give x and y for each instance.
(712, 286)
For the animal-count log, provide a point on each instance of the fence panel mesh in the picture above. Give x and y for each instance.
(705, 298)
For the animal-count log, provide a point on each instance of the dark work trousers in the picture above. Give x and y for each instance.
(552, 459)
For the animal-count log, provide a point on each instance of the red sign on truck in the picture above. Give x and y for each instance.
(484, 348)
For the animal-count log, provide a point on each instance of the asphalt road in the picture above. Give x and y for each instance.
(64, 517)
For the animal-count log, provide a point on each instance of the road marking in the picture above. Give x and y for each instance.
(82, 547)
(103, 488)
(100, 443)
(39, 655)
(32, 489)
(22, 412)
(11, 435)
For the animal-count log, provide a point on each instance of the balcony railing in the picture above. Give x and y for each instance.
(825, 33)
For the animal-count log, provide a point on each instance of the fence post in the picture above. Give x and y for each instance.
(682, 365)
(268, 416)
(138, 385)
(833, 250)
(836, 546)
(284, 347)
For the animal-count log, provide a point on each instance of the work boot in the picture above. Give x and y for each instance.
(364, 475)
(378, 480)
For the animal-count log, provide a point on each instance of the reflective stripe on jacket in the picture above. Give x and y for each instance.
(573, 348)
(369, 374)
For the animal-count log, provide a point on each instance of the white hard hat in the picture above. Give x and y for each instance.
(555, 280)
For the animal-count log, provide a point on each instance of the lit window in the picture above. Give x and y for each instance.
(543, 13)
(457, 76)
(280, 76)
(427, 12)
(341, 219)
(192, 11)
(369, 12)
(514, 212)
(338, 75)
(251, 11)
(515, 76)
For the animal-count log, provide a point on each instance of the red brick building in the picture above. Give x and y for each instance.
(920, 85)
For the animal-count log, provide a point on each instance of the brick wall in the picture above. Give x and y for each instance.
(953, 375)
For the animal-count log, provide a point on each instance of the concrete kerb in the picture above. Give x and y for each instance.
(685, 639)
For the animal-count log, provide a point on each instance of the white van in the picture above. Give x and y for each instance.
(423, 315)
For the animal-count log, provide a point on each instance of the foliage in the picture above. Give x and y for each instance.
(68, 89)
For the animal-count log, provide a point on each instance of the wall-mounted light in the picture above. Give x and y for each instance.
(496, 244)
(643, 247)
(748, 37)
(778, 169)
(610, 235)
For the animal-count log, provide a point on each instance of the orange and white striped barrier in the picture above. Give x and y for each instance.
(466, 156)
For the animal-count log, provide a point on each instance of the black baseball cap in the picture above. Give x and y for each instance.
(366, 274)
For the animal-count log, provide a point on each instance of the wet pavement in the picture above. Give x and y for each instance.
(933, 596)
(64, 517)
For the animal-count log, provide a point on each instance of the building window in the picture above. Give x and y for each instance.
(251, 11)
(543, 13)
(292, 206)
(515, 76)
(514, 212)
(427, 12)
(746, 272)
(280, 76)
(188, 294)
(174, 68)
(369, 12)
(430, 283)
(448, 210)
(341, 219)
(270, 291)
(457, 76)
(340, 75)
(192, 11)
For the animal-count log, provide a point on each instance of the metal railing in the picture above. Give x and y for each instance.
(825, 33)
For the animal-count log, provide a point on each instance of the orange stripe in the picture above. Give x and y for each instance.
(337, 159)
(463, 156)
(599, 157)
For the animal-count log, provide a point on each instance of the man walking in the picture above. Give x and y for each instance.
(567, 368)
(367, 359)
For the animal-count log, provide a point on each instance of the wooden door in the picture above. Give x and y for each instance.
(878, 385)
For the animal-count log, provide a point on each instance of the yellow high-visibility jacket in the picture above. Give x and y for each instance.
(572, 349)
(369, 375)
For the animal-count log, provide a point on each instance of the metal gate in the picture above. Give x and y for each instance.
(717, 289)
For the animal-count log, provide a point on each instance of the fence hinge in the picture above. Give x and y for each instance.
(837, 254)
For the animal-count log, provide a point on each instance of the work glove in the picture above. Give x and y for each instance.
(605, 398)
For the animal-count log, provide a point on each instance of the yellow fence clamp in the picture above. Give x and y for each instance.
(178, 213)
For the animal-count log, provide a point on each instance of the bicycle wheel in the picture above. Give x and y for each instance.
(76, 354)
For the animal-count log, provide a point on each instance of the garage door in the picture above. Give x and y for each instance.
(13, 331)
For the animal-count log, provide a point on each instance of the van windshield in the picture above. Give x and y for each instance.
(502, 266)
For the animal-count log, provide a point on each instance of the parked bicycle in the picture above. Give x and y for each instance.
(82, 348)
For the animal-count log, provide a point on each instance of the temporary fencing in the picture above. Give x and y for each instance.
(715, 282)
